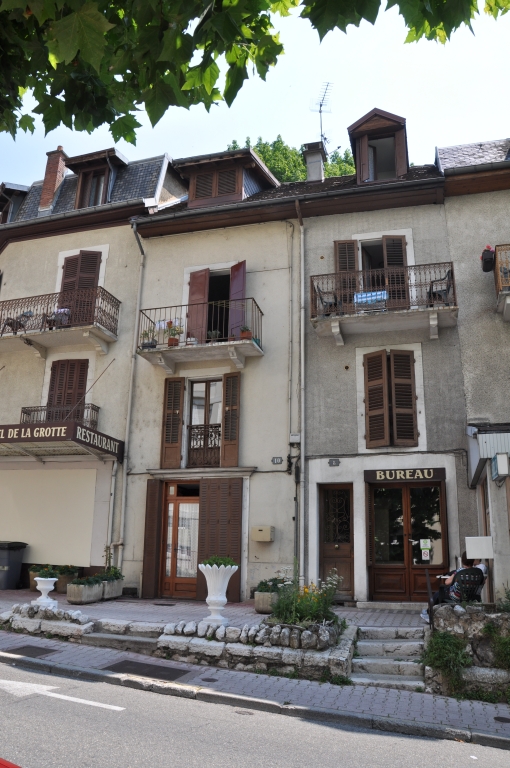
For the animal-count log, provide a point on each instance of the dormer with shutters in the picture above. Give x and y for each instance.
(96, 173)
(379, 145)
(225, 177)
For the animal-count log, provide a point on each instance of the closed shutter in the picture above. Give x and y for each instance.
(227, 182)
(204, 185)
(220, 528)
(237, 313)
(394, 250)
(171, 439)
(230, 420)
(377, 416)
(68, 382)
(152, 539)
(403, 391)
(400, 153)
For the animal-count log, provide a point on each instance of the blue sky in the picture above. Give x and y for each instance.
(452, 94)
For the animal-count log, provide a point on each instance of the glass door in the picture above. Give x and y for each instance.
(179, 578)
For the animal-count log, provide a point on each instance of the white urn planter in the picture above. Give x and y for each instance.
(217, 578)
(44, 586)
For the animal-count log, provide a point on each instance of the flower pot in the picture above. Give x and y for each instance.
(264, 601)
(150, 344)
(112, 589)
(44, 586)
(173, 341)
(81, 594)
(217, 579)
(246, 334)
(63, 581)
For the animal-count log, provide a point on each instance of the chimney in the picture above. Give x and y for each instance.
(315, 157)
(53, 176)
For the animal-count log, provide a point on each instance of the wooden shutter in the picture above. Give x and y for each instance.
(70, 273)
(346, 255)
(230, 420)
(88, 273)
(68, 382)
(363, 171)
(394, 250)
(197, 315)
(400, 153)
(152, 539)
(227, 182)
(204, 185)
(220, 528)
(377, 412)
(237, 313)
(403, 396)
(173, 409)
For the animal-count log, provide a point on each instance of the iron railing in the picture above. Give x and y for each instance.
(68, 309)
(502, 269)
(210, 323)
(391, 289)
(84, 413)
(204, 445)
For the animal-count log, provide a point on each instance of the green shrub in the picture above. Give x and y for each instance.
(88, 581)
(447, 653)
(504, 604)
(47, 572)
(218, 560)
(500, 645)
(112, 574)
(269, 585)
(67, 570)
(311, 603)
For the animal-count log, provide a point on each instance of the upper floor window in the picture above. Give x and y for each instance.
(215, 184)
(390, 399)
(92, 186)
(379, 145)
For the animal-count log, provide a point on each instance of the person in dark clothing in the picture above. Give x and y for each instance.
(449, 590)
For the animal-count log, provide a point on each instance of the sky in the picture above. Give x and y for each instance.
(451, 94)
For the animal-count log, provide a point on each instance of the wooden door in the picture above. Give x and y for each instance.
(336, 535)
(197, 305)
(403, 519)
(179, 562)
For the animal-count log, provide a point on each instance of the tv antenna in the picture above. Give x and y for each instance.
(322, 104)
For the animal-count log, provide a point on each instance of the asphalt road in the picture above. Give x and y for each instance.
(38, 730)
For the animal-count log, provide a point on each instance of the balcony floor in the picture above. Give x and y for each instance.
(40, 341)
(430, 319)
(234, 352)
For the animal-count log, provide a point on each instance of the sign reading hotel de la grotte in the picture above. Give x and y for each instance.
(62, 432)
(403, 475)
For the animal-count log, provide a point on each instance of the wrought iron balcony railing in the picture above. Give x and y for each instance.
(502, 269)
(68, 309)
(196, 324)
(84, 413)
(395, 288)
(204, 445)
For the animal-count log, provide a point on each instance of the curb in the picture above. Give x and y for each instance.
(208, 695)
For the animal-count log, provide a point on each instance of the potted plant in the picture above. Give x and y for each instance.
(86, 590)
(173, 332)
(246, 332)
(217, 571)
(112, 583)
(45, 580)
(148, 340)
(32, 573)
(66, 574)
(213, 335)
(266, 594)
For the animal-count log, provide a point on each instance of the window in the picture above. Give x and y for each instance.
(92, 187)
(4, 213)
(390, 399)
(211, 184)
(381, 159)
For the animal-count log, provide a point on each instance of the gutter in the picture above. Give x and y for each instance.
(302, 452)
(477, 168)
(76, 212)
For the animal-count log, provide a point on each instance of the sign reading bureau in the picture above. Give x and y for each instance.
(406, 475)
(58, 432)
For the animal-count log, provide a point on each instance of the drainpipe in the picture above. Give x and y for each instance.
(112, 503)
(302, 398)
(120, 542)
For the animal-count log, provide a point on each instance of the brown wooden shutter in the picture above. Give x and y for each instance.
(227, 182)
(394, 250)
(400, 153)
(230, 420)
(199, 296)
(237, 309)
(204, 185)
(220, 528)
(363, 171)
(152, 539)
(70, 273)
(173, 410)
(346, 255)
(377, 412)
(88, 274)
(68, 382)
(403, 396)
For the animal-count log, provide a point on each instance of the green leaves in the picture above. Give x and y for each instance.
(83, 30)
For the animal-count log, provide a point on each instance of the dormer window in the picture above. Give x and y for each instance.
(379, 145)
(216, 183)
(92, 187)
(96, 176)
(381, 159)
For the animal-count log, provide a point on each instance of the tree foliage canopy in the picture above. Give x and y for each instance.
(287, 163)
(90, 62)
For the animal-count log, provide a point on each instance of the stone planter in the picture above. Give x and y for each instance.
(112, 589)
(81, 594)
(217, 579)
(264, 601)
(63, 581)
(45, 586)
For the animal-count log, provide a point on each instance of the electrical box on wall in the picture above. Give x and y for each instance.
(499, 466)
(262, 533)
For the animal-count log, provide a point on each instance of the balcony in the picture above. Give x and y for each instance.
(217, 330)
(85, 317)
(502, 280)
(204, 445)
(85, 414)
(345, 304)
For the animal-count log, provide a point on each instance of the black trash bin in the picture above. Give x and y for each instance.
(11, 557)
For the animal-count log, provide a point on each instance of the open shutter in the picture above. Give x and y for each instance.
(230, 420)
(400, 153)
(363, 171)
(70, 273)
(173, 409)
(403, 391)
(377, 415)
(152, 539)
(220, 529)
(237, 308)
(199, 296)
(394, 251)
(88, 275)
(346, 255)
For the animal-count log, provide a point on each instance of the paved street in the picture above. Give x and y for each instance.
(39, 731)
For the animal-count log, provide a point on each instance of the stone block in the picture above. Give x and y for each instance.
(271, 654)
(252, 632)
(82, 618)
(5, 617)
(27, 625)
(113, 626)
(220, 633)
(262, 636)
(210, 632)
(169, 629)
(295, 638)
(314, 662)
(190, 628)
(308, 639)
(323, 638)
(202, 628)
(66, 628)
(180, 627)
(285, 637)
(243, 638)
(274, 637)
(239, 651)
(292, 658)
(145, 629)
(232, 634)
(173, 642)
(208, 648)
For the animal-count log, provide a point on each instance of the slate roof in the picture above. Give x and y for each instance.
(134, 181)
(465, 155)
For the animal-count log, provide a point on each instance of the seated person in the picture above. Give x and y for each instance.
(449, 590)
(483, 568)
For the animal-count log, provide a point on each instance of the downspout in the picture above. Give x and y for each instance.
(302, 451)
(112, 503)
(120, 542)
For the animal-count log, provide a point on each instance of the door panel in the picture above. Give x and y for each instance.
(180, 547)
(337, 536)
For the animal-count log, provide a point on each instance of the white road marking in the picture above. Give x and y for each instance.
(28, 689)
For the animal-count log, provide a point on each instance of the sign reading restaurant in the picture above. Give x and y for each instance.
(53, 432)
(406, 475)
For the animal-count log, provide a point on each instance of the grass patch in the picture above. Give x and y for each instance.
(327, 677)
(500, 645)
(447, 654)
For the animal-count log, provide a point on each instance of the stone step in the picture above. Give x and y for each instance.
(383, 606)
(380, 666)
(391, 633)
(146, 645)
(137, 628)
(397, 682)
(390, 648)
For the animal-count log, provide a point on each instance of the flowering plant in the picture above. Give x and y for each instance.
(269, 585)
(310, 603)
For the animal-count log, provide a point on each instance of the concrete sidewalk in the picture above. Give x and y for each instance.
(364, 706)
